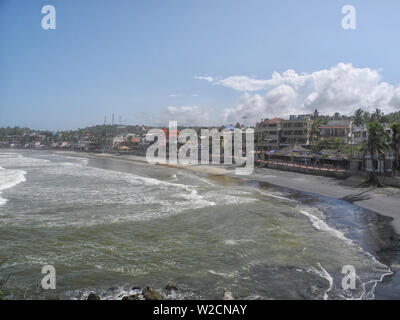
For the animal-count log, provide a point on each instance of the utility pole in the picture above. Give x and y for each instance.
(244, 121)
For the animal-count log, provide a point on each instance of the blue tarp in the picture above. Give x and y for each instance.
(229, 127)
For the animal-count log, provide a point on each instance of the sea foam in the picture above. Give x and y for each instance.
(9, 179)
(368, 286)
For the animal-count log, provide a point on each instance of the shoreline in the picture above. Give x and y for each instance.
(225, 174)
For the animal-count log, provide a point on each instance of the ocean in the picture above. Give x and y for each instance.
(110, 225)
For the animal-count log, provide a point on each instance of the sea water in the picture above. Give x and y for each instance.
(109, 225)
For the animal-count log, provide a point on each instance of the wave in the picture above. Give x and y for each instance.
(276, 196)
(325, 275)
(367, 286)
(19, 160)
(9, 179)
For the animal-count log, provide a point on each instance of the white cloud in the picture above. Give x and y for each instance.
(209, 79)
(174, 95)
(188, 115)
(342, 88)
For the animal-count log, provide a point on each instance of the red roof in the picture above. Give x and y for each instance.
(274, 121)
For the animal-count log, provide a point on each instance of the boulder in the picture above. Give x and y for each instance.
(171, 287)
(131, 297)
(228, 295)
(151, 294)
(93, 296)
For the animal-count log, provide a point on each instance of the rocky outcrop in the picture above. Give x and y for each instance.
(132, 297)
(151, 294)
(93, 296)
(171, 287)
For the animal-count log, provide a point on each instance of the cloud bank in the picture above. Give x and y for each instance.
(342, 88)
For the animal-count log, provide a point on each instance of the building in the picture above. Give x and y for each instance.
(337, 129)
(14, 140)
(267, 134)
(296, 130)
(117, 140)
(359, 134)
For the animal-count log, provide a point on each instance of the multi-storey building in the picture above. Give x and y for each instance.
(267, 134)
(341, 129)
(296, 130)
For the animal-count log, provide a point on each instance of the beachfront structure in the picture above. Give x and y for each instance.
(337, 129)
(271, 135)
(359, 134)
(267, 134)
(296, 130)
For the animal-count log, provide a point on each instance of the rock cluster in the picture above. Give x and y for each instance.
(148, 293)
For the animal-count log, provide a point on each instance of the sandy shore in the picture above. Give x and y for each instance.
(385, 201)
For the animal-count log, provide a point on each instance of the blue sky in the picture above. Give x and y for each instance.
(137, 58)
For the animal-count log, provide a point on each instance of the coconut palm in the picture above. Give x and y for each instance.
(358, 117)
(376, 146)
(315, 129)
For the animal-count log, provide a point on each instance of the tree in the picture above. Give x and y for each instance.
(378, 116)
(336, 116)
(366, 117)
(358, 117)
(315, 129)
(395, 143)
(376, 145)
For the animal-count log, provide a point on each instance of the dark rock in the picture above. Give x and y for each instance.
(171, 287)
(136, 288)
(93, 296)
(131, 297)
(151, 294)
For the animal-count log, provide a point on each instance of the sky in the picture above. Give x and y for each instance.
(200, 62)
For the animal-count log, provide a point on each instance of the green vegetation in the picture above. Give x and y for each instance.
(97, 134)
(376, 146)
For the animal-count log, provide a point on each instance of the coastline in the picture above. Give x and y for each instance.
(384, 201)
(225, 175)
(370, 199)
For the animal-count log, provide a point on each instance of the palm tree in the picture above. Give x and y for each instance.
(378, 116)
(376, 145)
(315, 129)
(358, 117)
(395, 142)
